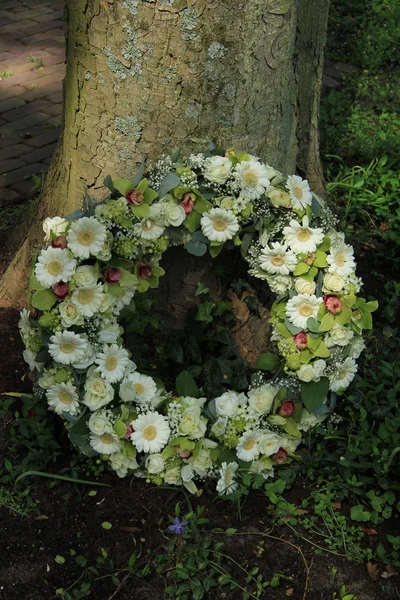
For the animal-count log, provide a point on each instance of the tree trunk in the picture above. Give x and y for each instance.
(144, 77)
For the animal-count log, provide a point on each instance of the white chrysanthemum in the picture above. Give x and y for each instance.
(98, 392)
(150, 432)
(99, 423)
(106, 443)
(112, 362)
(24, 323)
(344, 375)
(227, 482)
(302, 238)
(253, 178)
(269, 443)
(277, 259)
(261, 398)
(88, 299)
(341, 260)
(54, 265)
(248, 447)
(299, 191)
(86, 236)
(300, 308)
(138, 387)
(219, 225)
(151, 227)
(67, 347)
(63, 397)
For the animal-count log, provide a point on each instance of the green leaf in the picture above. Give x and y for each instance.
(149, 195)
(140, 211)
(322, 351)
(196, 248)
(192, 221)
(358, 513)
(119, 428)
(122, 263)
(320, 260)
(314, 393)
(124, 186)
(106, 525)
(215, 250)
(174, 351)
(371, 306)
(186, 385)
(313, 325)
(60, 560)
(109, 184)
(128, 279)
(137, 178)
(44, 299)
(268, 362)
(326, 244)
(114, 289)
(291, 427)
(202, 205)
(283, 330)
(34, 284)
(301, 269)
(169, 182)
(327, 322)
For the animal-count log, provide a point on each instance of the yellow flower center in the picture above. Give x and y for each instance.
(139, 388)
(67, 347)
(55, 267)
(306, 310)
(85, 237)
(65, 397)
(85, 296)
(298, 192)
(220, 224)
(228, 478)
(147, 225)
(149, 432)
(250, 178)
(340, 259)
(111, 363)
(278, 260)
(304, 234)
(342, 374)
(249, 444)
(106, 438)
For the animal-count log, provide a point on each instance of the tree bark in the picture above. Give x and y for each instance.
(144, 77)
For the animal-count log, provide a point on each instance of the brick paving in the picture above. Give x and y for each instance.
(32, 67)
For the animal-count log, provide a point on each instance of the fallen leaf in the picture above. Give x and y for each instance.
(370, 531)
(373, 570)
(302, 511)
(390, 571)
(41, 518)
(289, 592)
(337, 505)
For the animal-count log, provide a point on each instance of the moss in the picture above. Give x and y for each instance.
(170, 72)
(114, 64)
(87, 75)
(189, 24)
(101, 79)
(131, 6)
(192, 111)
(128, 126)
(125, 154)
(229, 91)
(216, 50)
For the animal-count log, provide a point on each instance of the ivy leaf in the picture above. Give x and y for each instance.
(314, 393)
(268, 362)
(186, 385)
(174, 351)
(169, 182)
(44, 299)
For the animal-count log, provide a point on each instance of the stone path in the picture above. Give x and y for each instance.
(32, 56)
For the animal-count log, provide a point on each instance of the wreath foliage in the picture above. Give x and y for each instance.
(100, 260)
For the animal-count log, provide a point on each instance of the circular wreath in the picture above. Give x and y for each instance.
(98, 259)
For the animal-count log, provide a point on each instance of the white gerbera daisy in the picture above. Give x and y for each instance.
(300, 308)
(88, 299)
(54, 265)
(253, 178)
(151, 227)
(341, 260)
(299, 191)
(86, 236)
(138, 387)
(219, 225)
(302, 238)
(106, 443)
(277, 259)
(150, 432)
(67, 347)
(344, 375)
(227, 482)
(248, 448)
(112, 362)
(63, 397)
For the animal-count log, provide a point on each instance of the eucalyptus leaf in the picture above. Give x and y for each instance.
(169, 182)
(137, 178)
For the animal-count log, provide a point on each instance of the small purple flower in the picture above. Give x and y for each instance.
(178, 526)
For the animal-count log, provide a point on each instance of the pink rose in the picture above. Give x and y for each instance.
(301, 340)
(280, 457)
(187, 203)
(112, 274)
(61, 290)
(60, 242)
(333, 304)
(287, 408)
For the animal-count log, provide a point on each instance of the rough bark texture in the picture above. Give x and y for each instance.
(144, 77)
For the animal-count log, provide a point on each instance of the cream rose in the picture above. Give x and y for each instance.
(219, 427)
(338, 336)
(279, 199)
(304, 287)
(306, 373)
(173, 476)
(155, 464)
(57, 225)
(69, 314)
(85, 275)
(333, 282)
(98, 393)
(174, 214)
(218, 169)
(227, 405)
(99, 424)
(201, 462)
(121, 463)
(269, 443)
(261, 399)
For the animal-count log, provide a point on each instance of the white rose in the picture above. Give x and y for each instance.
(121, 463)
(338, 336)
(261, 399)
(319, 367)
(191, 423)
(306, 373)
(187, 473)
(173, 476)
(57, 225)
(219, 427)
(333, 282)
(227, 405)
(87, 360)
(45, 381)
(279, 198)
(98, 423)
(269, 443)
(307, 421)
(105, 252)
(106, 301)
(155, 464)
(98, 393)
(218, 169)
(201, 462)
(304, 287)
(357, 346)
(110, 334)
(274, 176)
(262, 466)
(290, 443)
(227, 202)
(70, 314)
(85, 275)
(174, 214)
